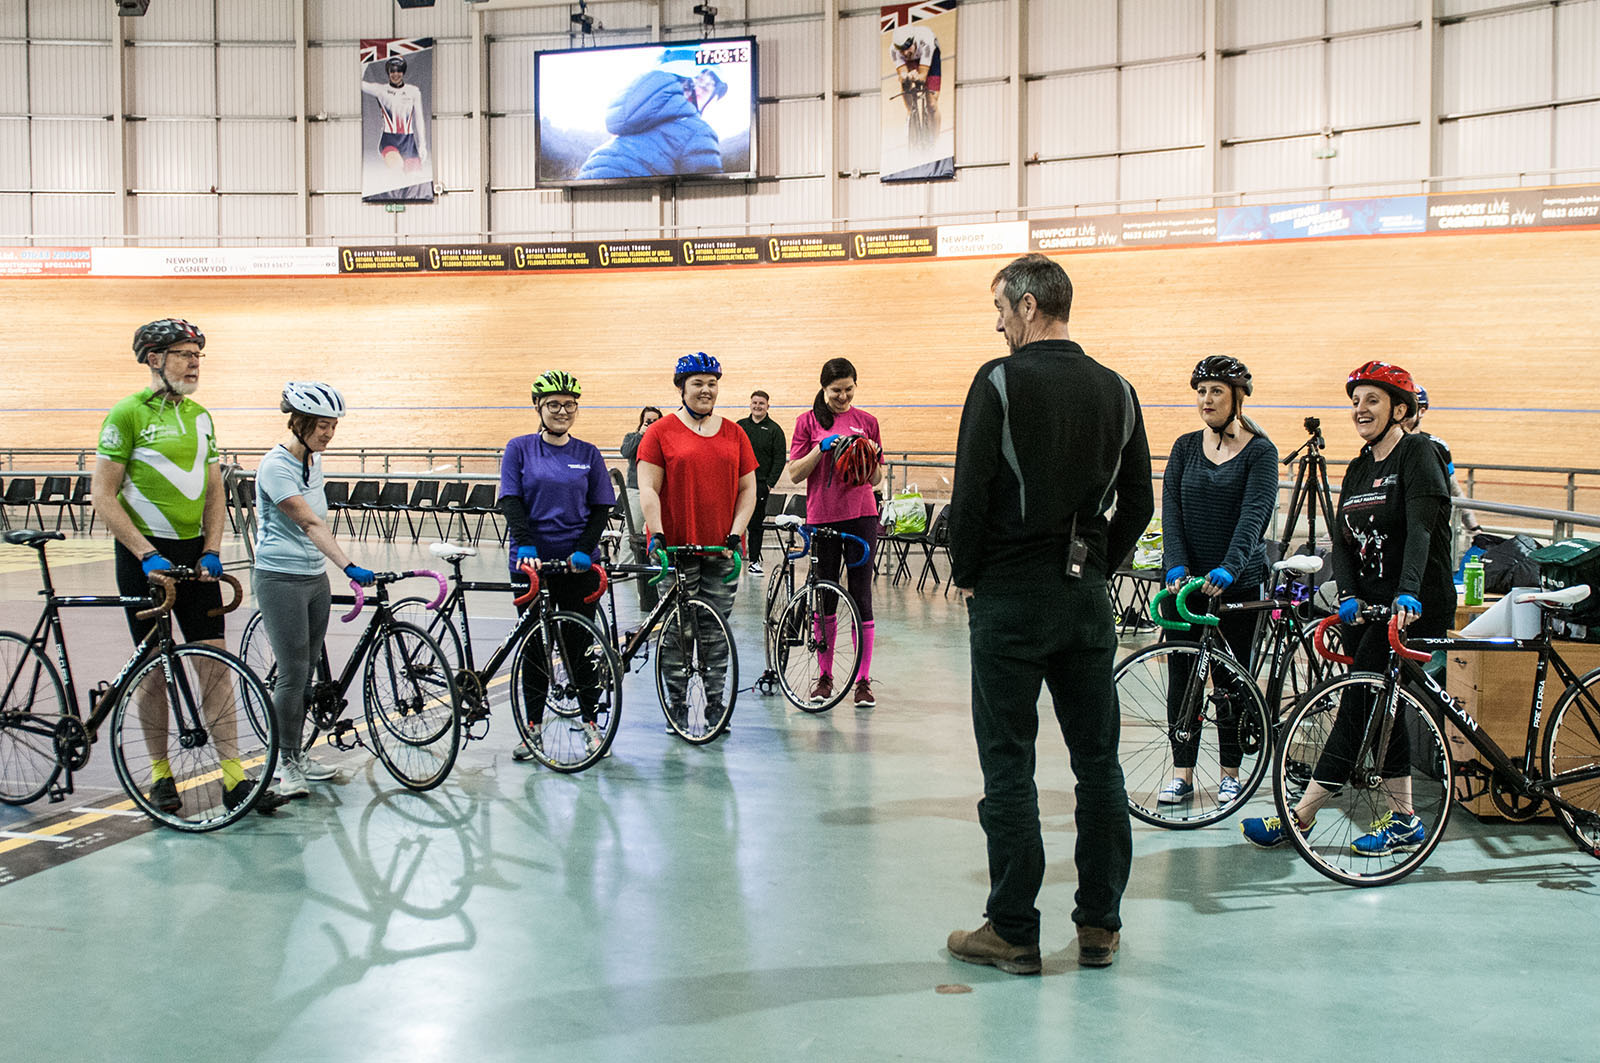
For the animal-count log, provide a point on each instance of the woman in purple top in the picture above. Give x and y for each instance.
(556, 497)
(836, 502)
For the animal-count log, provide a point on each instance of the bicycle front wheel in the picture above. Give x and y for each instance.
(1572, 761)
(184, 740)
(566, 692)
(697, 671)
(33, 721)
(1217, 729)
(817, 646)
(440, 627)
(412, 706)
(1360, 834)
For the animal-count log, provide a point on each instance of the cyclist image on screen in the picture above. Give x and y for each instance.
(916, 65)
(656, 129)
(404, 141)
(704, 89)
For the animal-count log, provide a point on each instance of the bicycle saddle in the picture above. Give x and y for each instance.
(787, 520)
(452, 551)
(1568, 596)
(1301, 563)
(31, 537)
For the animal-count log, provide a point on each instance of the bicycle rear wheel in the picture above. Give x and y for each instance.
(1572, 760)
(1319, 748)
(185, 717)
(412, 706)
(575, 723)
(817, 634)
(697, 671)
(1224, 721)
(444, 629)
(33, 720)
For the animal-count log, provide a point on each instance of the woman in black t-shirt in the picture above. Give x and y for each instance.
(1391, 547)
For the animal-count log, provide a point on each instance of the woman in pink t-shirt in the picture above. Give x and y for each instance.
(833, 502)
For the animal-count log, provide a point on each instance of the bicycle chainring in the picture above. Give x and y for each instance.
(72, 743)
(1518, 808)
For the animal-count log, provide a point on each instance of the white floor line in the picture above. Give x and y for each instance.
(61, 839)
(111, 812)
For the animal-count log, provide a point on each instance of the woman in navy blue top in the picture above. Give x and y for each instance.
(1218, 492)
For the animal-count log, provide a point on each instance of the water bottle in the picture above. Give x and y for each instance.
(1473, 583)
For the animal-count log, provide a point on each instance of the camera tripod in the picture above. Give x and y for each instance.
(1310, 490)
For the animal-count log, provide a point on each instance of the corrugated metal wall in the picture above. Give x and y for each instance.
(1312, 97)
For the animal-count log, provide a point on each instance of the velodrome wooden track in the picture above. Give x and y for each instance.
(1502, 329)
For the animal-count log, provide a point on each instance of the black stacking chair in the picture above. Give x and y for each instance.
(385, 511)
(481, 504)
(22, 493)
(360, 496)
(57, 495)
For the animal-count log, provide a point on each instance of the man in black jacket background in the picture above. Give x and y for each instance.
(1052, 489)
(772, 453)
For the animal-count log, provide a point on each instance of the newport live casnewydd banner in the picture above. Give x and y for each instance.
(396, 133)
(918, 63)
(1568, 207)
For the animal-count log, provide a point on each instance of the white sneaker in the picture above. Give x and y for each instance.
(754, 568)
(315, 770)
(291, 780)
(524, 750)
(592, 737)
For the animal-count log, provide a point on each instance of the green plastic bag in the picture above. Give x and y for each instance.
(905, 513)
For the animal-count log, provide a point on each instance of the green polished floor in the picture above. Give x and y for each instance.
(781, 895)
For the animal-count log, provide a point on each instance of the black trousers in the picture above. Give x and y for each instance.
(1238, 631)
(755, 533)
(1059, 632)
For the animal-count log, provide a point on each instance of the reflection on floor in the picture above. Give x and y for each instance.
(782, 894)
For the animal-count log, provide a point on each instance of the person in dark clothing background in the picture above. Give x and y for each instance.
(1217, 494)
(772, 453)
(1052, 487)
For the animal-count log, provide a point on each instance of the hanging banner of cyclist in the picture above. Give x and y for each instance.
(396, 130)
(919, 91)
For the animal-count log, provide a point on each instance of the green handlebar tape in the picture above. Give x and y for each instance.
(1155, 612)
(661, 552)
(1183, 603)
(738, 564)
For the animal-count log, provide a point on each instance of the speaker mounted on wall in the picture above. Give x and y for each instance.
(415, 3)
(132, 8)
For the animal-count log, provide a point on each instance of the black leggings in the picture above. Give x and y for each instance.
(1371, 652)
(830, 554)
(1238, 631)
(567, 592)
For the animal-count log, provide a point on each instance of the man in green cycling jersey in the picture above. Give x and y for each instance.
(158, 487)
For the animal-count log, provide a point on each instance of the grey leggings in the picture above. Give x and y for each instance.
(702, 578)
(294, 611)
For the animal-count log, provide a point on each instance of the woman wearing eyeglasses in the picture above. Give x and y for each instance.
(556, 497)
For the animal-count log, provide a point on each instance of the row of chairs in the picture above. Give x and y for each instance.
(67, 495)
(367, 506)
(895, 552)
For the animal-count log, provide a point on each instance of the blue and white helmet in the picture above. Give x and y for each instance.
(310, 397)
(695, 364)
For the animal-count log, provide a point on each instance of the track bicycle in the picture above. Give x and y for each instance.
(203, 697)
(697, 663)
(922, 128)
(1197, 695)
(563, 653)
(410, 702)
(1389, 756)
(807, 630)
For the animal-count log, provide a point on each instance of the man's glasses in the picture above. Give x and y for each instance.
(193, 356)
(559, 407)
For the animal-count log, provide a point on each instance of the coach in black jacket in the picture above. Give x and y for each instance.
(1051, 443)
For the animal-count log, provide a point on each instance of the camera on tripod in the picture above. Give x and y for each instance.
(1313, 425)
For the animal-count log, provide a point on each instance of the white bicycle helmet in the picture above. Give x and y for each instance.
(308, 396)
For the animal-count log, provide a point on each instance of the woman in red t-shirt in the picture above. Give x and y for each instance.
(842, 501)
(697, 487)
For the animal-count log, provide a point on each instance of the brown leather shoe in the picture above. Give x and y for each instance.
(985, 946)
(1097, 947)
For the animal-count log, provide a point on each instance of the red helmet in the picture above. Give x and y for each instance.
(1391, 378)
(855, 458)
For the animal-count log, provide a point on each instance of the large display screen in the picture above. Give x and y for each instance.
(646, 112)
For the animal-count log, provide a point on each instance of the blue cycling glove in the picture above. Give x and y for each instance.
(211, 564)
(527, 554)
(1349, 609)
(655, 543)
(1220, 577)
(1176, 573)
(363, 576)
(1407, 601)
(155, 563)
(828, 442)
(580, 561)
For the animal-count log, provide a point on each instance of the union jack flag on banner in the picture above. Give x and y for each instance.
(919, 100)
